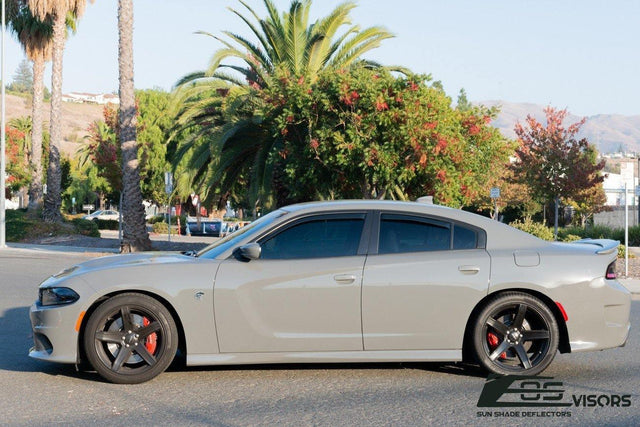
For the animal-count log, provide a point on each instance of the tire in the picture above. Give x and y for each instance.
(130, 338)
(515, 334)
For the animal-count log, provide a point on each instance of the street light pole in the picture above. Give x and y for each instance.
(3, 219)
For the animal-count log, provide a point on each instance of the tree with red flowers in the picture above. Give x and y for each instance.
(18, 171)
(364, 133)
(553, 162)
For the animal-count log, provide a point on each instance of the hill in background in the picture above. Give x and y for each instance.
(609, 132)
(76, 119)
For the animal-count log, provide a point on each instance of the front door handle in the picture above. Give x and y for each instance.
(469, 269)
(344, 279)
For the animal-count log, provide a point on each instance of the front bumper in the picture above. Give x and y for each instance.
(54, 333)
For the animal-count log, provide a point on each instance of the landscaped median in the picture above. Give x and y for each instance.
(24, 227)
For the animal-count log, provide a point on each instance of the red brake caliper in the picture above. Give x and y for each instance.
(493, 343)
(150, 342)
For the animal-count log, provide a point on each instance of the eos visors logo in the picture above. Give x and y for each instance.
(521, 391)
(511, 391)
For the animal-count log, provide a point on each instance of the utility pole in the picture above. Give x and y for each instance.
(3, 160)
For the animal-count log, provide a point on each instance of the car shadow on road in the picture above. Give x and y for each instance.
(449, 368)
(16, 338)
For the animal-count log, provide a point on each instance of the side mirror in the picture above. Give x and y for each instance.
(248, 252)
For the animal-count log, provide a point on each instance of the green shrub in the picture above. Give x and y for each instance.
(162, 218)
(86, 227)
(160, 227)
(564, 233)
(569, 237)
(622, 249)
(107, 224)
(17, 224)
(535, 228)
(156, 218)
(634, 236)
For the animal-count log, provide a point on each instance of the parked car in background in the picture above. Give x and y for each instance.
(207, 227)
(343, 281)
(103, 214)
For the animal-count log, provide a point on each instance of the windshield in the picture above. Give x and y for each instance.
(232, 240)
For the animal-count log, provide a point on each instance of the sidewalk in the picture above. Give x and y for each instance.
(633, 285)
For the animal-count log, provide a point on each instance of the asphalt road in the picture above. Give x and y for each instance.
(39, 393)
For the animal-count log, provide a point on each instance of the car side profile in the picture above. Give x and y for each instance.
(103, 215)
(342, 281)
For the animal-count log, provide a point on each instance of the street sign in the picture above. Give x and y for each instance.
(495, 193)
(168, 182)
(627, 170)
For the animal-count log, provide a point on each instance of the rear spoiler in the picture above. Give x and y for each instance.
(607, 246)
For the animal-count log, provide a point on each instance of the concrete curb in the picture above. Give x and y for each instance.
(58, 249)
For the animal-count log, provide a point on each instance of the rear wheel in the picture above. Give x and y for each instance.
(515, 333)
(130, 338)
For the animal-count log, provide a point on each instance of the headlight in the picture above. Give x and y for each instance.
(57, 296)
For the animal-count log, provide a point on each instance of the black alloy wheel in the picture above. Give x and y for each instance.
(130, 339)
(515, 334)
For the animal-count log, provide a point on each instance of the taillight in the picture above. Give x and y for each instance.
(611, 271)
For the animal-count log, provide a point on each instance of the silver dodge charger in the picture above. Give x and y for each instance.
(345, 281)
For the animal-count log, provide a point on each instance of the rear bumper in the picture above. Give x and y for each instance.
(604, 318)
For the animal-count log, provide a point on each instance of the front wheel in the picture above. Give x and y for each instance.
(515, 334)
(130, 339)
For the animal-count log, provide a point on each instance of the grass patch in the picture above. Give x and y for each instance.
(24, 227)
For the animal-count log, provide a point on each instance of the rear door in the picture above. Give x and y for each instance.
(421, 282)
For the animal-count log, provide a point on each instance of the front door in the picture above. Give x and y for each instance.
(303, 294)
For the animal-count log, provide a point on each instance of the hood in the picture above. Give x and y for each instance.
(123, 261)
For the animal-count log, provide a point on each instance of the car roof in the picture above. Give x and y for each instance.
(498, 235)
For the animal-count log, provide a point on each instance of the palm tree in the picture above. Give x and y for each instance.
(35, 35)
(135, 235)
(229, 140)
(289, 41)
(56, 11)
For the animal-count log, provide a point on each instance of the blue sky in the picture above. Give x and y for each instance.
(582, 55)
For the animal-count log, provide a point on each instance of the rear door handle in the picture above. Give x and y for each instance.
(344, 279)
(469, 269)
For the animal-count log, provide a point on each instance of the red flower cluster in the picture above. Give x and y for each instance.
(381, 105)
(350, 97)
(440, 146)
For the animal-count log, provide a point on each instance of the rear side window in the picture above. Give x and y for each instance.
(320, 238)
(464, 238)
(400, 234)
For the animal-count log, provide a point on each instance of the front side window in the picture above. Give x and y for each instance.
(315, 238)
